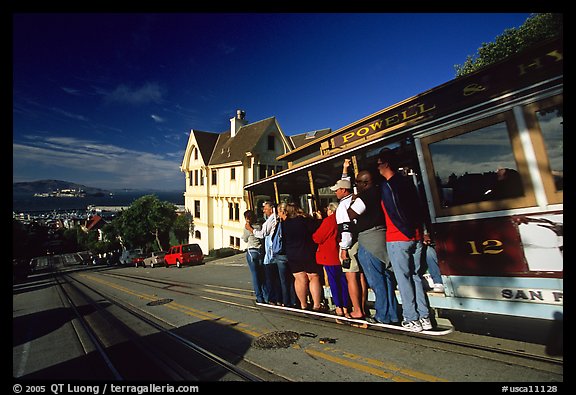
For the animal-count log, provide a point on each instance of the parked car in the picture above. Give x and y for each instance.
(138, 260)
(155, 259)
(184, 254)
(98, 259)
(85, 257)
(127, 255)
(113, 258)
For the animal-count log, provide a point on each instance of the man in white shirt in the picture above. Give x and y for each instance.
(271, 288)
(348, 248)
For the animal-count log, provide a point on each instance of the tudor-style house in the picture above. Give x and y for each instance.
(217, 166)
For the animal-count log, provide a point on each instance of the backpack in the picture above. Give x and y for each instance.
(277, 247)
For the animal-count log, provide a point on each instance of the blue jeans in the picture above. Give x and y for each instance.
(382, 283)
(254, 259)
(274, 294)
(432, 263)
(286, 280)
(405, 257)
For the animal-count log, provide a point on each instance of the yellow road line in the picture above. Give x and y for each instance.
(383, 365)
(356, 366)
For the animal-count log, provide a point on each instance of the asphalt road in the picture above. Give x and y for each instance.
(213, 305)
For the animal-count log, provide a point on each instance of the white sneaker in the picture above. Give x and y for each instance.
(412, 326)
(426, 323)
(438, 288)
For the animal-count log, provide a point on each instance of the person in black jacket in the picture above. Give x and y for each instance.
(297, 231)
(366, 210)
(404, 231)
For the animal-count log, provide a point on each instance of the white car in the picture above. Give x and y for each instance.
(156, 259)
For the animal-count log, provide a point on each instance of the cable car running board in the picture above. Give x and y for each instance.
(360, 323)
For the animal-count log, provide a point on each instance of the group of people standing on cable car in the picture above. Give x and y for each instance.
(372, 239)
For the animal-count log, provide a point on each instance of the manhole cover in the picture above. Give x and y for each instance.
(159, 302)
(280, 339)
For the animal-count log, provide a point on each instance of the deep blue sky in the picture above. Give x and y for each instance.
(108, 100)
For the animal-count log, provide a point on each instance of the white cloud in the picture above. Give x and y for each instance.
(113, 166)
(70, 115)
(157, 118)
(150, 92)
(71, 91)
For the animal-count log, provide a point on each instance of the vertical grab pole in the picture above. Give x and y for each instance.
(355, 169)
(355, 165)
(314, 205)
(276, 193)
(250, 202)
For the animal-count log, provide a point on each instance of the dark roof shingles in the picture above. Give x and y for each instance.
(234, 149)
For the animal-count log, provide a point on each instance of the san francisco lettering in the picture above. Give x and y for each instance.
(413, 112)
(532, 295)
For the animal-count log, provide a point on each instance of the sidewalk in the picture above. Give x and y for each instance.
(234, 259)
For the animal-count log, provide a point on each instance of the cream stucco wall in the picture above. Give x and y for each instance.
(214, 225)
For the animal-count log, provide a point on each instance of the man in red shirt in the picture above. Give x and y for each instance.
(404, 224)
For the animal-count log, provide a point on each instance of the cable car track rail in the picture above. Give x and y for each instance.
(242, 374)
(86, 327)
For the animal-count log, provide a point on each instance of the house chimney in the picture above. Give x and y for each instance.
(237, 122)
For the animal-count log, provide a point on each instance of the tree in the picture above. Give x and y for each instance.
(70, 237)
(538, 27)
(91, 242)
(112, 233)
(146, 221)
(183, 225)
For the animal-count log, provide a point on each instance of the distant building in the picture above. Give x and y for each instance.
(218, 165)
(95, 223)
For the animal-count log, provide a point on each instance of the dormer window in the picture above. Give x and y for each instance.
(310, 135)
(271, 143)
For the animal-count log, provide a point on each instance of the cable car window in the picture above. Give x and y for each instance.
(478, 167)
(551, 124)
(545, 119)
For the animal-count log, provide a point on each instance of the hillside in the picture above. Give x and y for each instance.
(47, 186)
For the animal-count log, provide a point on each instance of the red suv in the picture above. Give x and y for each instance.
(184, 254)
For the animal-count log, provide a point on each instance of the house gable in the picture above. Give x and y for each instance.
(247, 139)
(95, 222)
(205, 142)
